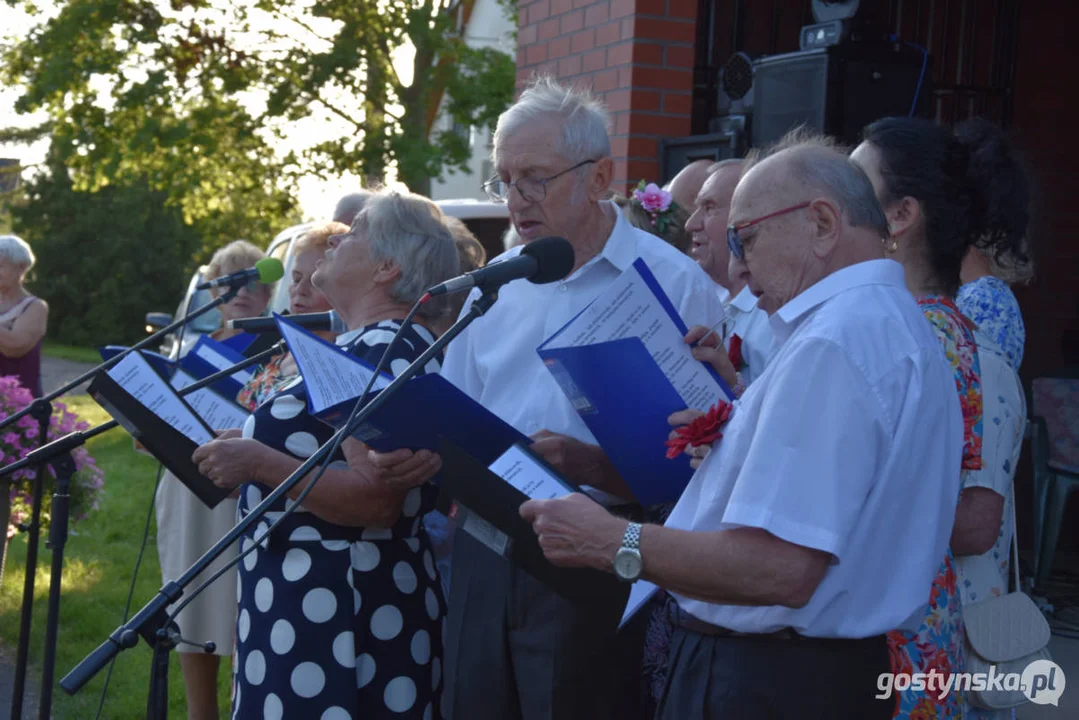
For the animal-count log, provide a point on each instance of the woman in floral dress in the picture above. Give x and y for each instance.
(341, 607)
(920, 173)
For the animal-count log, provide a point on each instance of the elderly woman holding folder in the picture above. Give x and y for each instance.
(340, 608)
(186, 528)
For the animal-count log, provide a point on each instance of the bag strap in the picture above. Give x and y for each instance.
(1015, 544)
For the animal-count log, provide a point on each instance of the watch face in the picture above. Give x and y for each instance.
(627, 564)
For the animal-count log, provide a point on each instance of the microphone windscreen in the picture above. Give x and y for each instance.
(554, 258)
(270, 270)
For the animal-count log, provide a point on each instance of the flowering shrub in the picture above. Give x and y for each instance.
(18, 440)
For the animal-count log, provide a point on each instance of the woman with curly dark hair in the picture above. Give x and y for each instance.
(1001, 257)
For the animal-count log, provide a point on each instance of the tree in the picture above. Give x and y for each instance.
(104, 257)
(191, 95)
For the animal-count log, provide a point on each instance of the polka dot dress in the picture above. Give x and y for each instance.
(337, 622)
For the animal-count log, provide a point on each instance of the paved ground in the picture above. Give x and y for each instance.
(56, 373)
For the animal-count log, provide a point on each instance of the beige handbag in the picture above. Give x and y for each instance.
(1006, 633)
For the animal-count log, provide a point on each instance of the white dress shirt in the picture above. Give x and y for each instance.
(850, 443)
(495, 362)
(750, 323)
(1004, 416)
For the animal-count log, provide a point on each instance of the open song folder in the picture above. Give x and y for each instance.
(624, 365)
(147, 406)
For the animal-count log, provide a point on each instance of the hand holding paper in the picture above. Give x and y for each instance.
(575, 531)
(709, 348)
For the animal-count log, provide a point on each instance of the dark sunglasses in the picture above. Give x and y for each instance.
(734, 241)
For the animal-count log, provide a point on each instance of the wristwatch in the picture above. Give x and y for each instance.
(627, 561)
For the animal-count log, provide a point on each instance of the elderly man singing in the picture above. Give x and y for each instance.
(516, 649)
(781, 552)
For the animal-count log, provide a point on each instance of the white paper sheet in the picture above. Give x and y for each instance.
(219, 413)
(629, 308)
(521, 470)
(331, 376)
(135, 375)
(221, 362)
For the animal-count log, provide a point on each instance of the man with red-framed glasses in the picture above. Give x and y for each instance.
(780, 555)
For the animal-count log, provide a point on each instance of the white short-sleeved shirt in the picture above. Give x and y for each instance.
(1003, 425)
(750, 323)
(494, 361)
(850, 444)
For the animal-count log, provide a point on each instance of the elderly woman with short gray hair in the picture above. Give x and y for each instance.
(23, 317)
(341, 610)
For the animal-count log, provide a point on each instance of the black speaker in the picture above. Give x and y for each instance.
(837, 90)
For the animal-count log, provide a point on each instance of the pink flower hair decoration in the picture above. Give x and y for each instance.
(657, 202)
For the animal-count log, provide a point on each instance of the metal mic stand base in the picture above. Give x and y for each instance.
(40, 410)
(64, 465)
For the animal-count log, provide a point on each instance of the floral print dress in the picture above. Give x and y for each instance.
(991, 305)
(939, 643)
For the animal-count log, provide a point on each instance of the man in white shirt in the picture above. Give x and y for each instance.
(781, 553)
(514, 648)
(708, 224)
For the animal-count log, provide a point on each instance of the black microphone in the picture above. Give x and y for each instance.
(541, 261)
(312, 321)
(266, 270)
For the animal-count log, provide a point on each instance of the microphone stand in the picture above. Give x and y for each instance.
(42, 412)
(58, 454)
(41, 409)
(152, 621)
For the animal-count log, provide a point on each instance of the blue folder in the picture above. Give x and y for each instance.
(422, 411)
(228, 387)
(625, 399)
(428, 408)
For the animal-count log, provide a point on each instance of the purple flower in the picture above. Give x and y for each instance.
(11, 439)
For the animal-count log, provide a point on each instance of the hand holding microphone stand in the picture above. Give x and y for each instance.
(41, 409)
(156, 626)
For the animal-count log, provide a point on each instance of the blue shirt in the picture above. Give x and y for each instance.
(989, 302)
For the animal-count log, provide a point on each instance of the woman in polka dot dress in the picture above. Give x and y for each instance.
(341, 608)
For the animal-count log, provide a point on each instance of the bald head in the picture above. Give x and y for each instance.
(824, 217)
(687, 183)
(350, 206)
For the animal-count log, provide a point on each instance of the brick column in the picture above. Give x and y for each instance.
(635, 54)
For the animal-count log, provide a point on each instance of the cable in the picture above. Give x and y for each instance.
(921, 76)
(339, 438)
(131, 590)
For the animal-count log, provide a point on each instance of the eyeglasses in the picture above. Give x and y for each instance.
(734, 242)
(533, 190)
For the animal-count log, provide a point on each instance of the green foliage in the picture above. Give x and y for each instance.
(170, 94)
(105, 257)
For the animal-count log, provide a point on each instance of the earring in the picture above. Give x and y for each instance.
(891, 247)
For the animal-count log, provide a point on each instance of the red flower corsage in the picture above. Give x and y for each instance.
(702, 431)
(734, 353)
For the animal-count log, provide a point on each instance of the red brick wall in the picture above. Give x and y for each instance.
(635, 54)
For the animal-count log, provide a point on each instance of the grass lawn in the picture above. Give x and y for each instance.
(71, 352)
(98, 562)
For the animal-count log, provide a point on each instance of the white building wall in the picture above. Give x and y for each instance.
(488, 27)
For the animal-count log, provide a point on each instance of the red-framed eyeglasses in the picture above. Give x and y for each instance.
(734, 242)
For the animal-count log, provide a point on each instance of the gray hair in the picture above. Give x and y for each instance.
(17, 251)
(410, 231)
(831, 171)
(584, 119)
